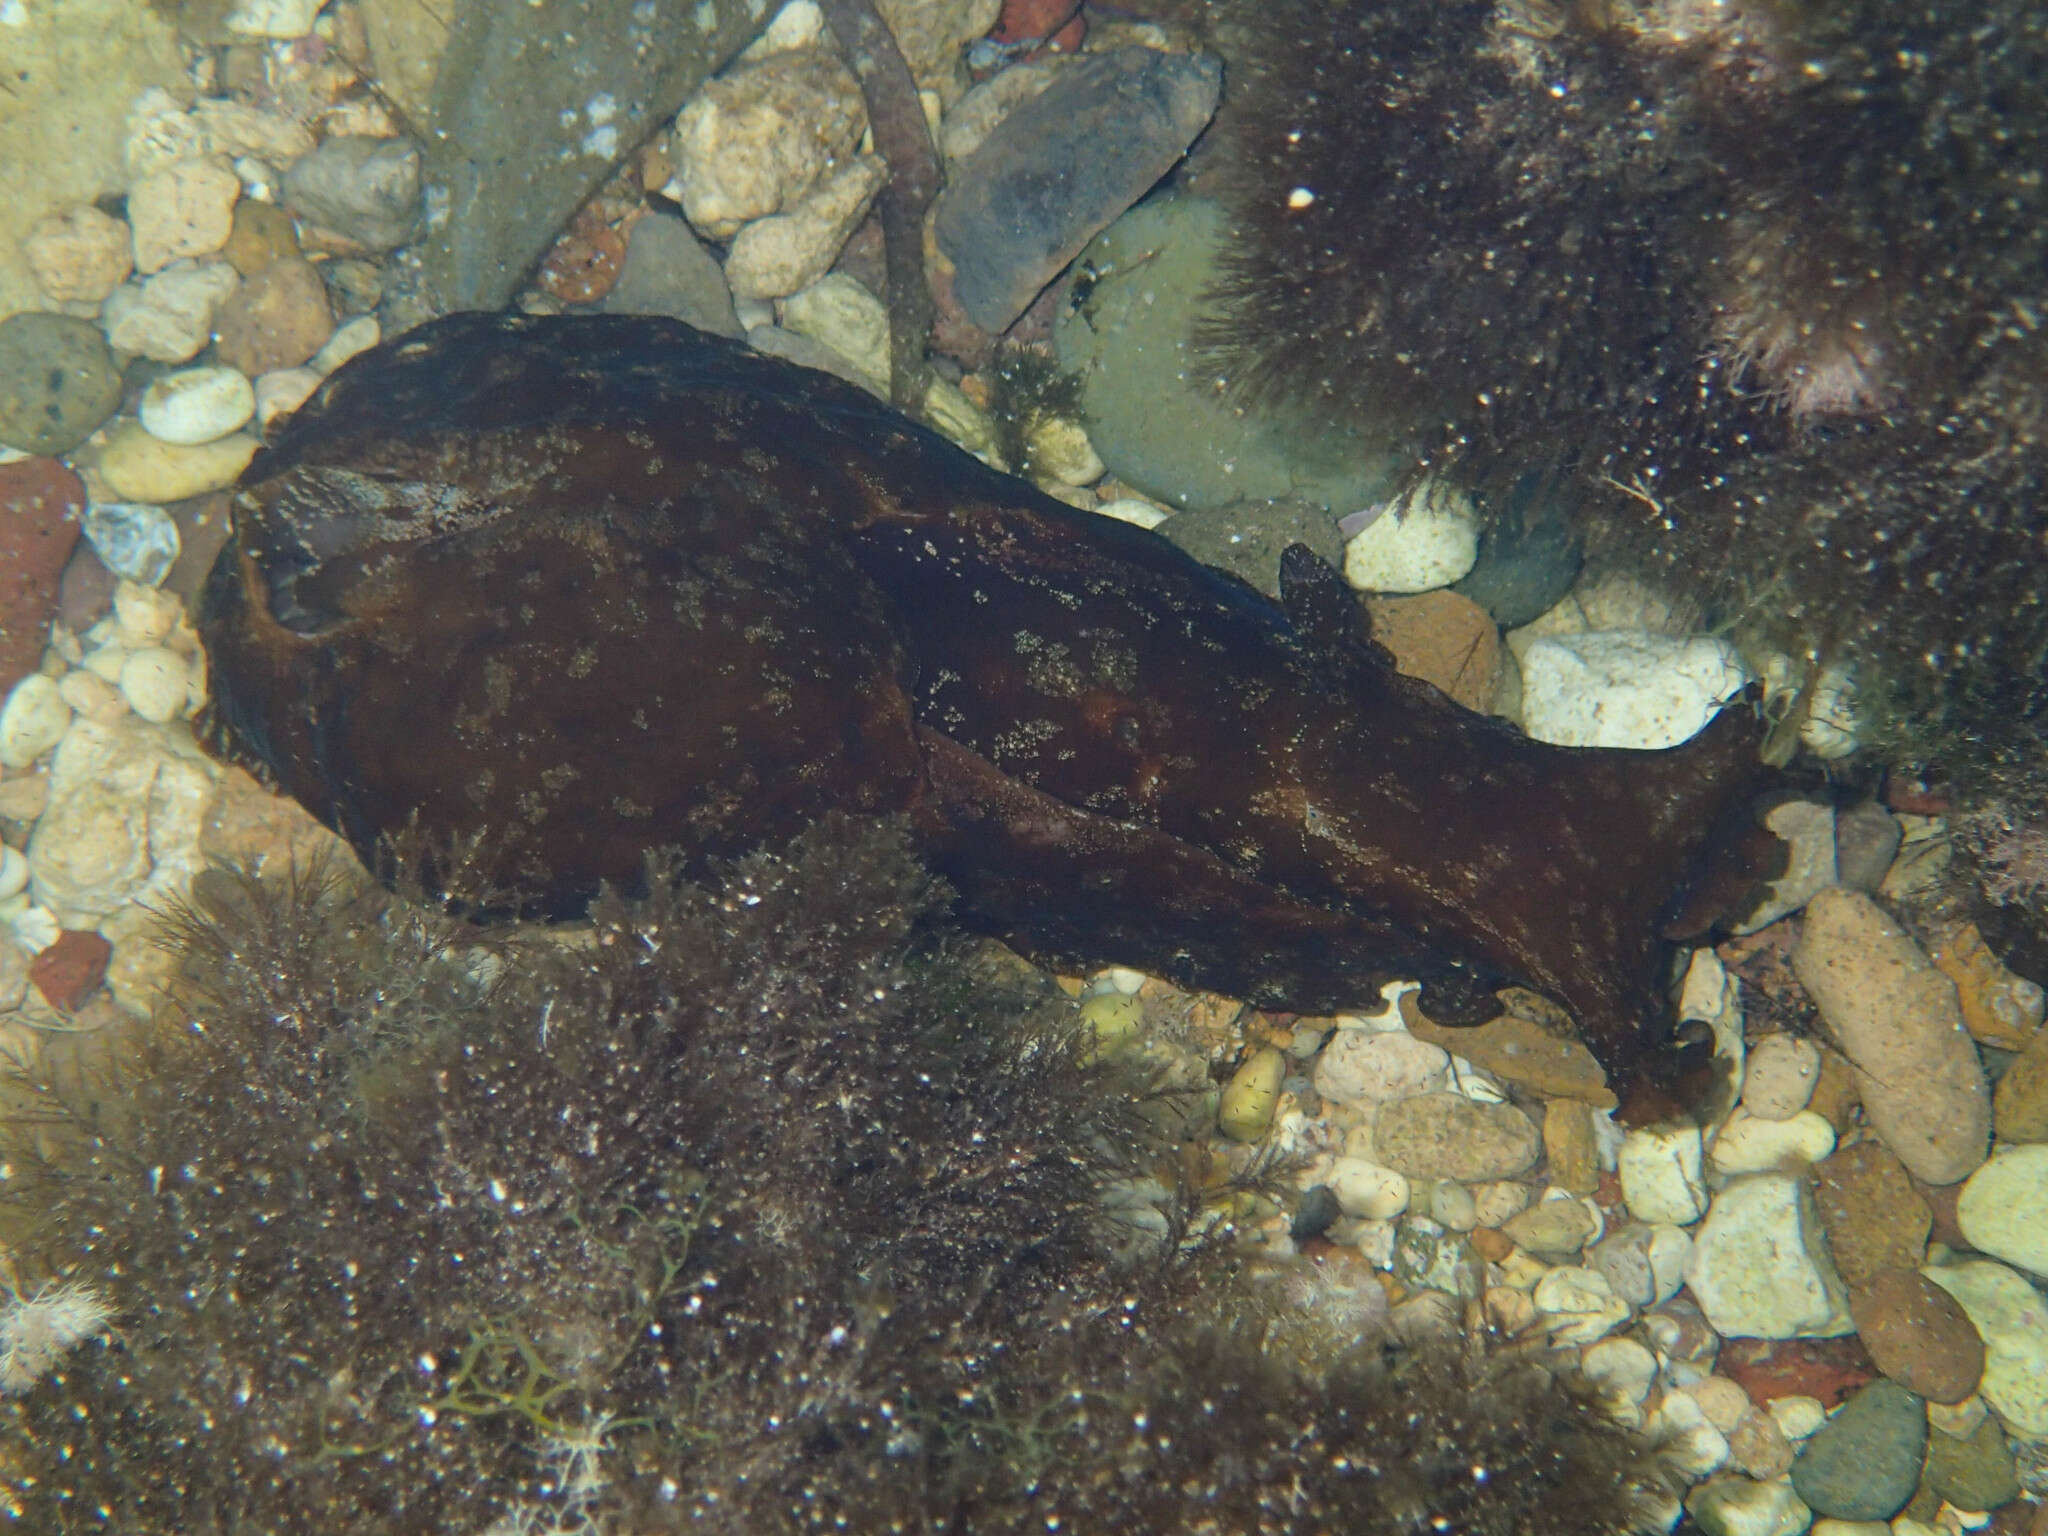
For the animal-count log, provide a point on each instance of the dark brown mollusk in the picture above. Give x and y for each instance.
(594, 585)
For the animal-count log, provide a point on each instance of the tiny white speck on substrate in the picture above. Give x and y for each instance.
(1300, 198)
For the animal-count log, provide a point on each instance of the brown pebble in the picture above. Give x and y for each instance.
(1834, 1092)
(1918, 1335)
(2019, 1105)
(277, 319)
(1570, 1145)
(40, 501)
(263, 233)
(1492, 1244)
(1999, 1008)
(72, 969)
(1521, 1049)
(1829, 1369)
(581, 268)
(1758, 1446)
(1868, 1208)
(1443, 638)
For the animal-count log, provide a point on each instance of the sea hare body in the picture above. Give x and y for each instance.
(598, 585)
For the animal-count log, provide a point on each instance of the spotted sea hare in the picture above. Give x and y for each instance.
(594, 585)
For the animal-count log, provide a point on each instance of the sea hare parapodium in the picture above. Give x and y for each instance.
(601, 584)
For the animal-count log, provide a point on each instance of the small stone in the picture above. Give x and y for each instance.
(758, 137)
(136, 542)
(2003, 1209)
(1808, 830)
(197, 405)
(1058, 452)
(1429, 539)
(582, 266)
(157, 683)
(1999, 1008)
(1757, 1446)
(1571, 1146)
(1615, 688)
(138, 468)
(1873, 1217)
(1252, 1095)
(1365, 1189)
(838, 311)
(1736, 1506)
(365, 190)
(351, 338)
(2010, 1319)
(285, 19)
(262, 233)
(1724, 1402)
(1446, 1135)
(282, 391)
(1759, 1265)
(1578, 1304)
(773, 257)
(1622, 1367)
(2019, 1105)
(1957, 1420)
(1867, 838)
(92, 696)
(1864, 1463)
(1363, 1066)
(14, 874)
(1797, 1416)
(1973, 1471)
(1679, 1427)
(1918, 1335)
(1662, 1178)
(1779, 1079)
(667, 271)
(79, 256)
(1451, 1203)
(187, 208)
(169, 319)
(1427, 1257)
(1553, 1229)
(1644, 1263)
(1443, 638)
(40, 501)
(1898, 1021)
(1747, 1143)
(277, 319)
(33, 720)
(1521, 1049)
(1496, 1200)
(58, 382)
(71, 970)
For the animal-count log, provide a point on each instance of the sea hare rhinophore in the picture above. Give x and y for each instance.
(596, 585)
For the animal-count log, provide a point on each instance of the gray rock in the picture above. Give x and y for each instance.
(1530, 553)
(1247, 539)
(58, 382)
(1867, 838)
(1864, 1463)
(1150, 405)
(134, 540)
(668, 272)
(367, 190)
(1061, 166)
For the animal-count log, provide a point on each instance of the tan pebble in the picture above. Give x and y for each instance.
(33, 720)
(1058, 448)
(185, 209)
(24, 796)
(156, 684)
(1252, 1096)
(144, 615)
(2019, 1106)
(1492, 1244)
(277, 319)
(1757, 1445)
(1958, 1421)
(351, 338)
(1495, 1200)
(92, 696)
(262, 233)
(79, 256)
(105, 659)
(1552, 1229)
(1523, 1048)
(1723, 1401)
(284, 390)
(1999, 1008)
(1513, 1312)
(1443, 638)
(138, 467)
(1779, 1078)
(1570, 1145)
(1834, 1093)
(1446, 1135)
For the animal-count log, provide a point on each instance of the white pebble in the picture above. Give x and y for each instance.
(1129, 509)
(1662, 1179)
(1622, 1366)
(350, 338)
(144, 615)
(13, 873)
(1751, 1144)
(1427, 540)
(33, 720)
(1366, 1189)
(92, 696)
(196, 405)
(1797, 1415)
(36, 929)
(156, 683)
(281, 392)
(1580, 1304)
(1616, 688)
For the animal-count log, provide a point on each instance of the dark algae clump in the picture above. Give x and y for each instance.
(589, 585)
(771, 1207)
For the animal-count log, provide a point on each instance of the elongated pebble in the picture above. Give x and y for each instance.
(33, 720)
(138, 468)
(350, 337)
(197, 405)
(156, 683)
(281, 392)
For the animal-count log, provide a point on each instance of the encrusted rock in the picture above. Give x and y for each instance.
(758, 137)
(1446, 1135)
(185, 209)
(79, 256)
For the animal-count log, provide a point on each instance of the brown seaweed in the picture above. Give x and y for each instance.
(593, 585)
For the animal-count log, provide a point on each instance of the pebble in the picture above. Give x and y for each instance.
(1736, 1506)
(1679, 1427)
(169, 318)
(668, 271)
(1252, 1095)
(40, 500)
(1060, 167)
(1522, 1049)
(755, 139)
(838, 311)
(1864, 1463)
(773, 257)
(282, 391)
(2011, 1321)
(2019, 1105)
(2003, 1209)
(1759, 1266)
(136, 541)
(79, 256)
(262, 233)
(197, 405)
(277, 319)
(1662, 1177)
(1364, 1066)
(285, 19)
(1616, 688)
(1364, 1188)
(1747, 1143)
(70, 970)
(1918, 1335)
(366, 190)
(157, 683)
(138, 468)
(1898, 1021)
(1874, 1218)
(1426, 540)
(1622, 1367)
(975, 116)
(351, 338)
(1571, 1146)
(1808, 830)
(1446, 1135)
(1058, 452)
(1427, 1257)
(33, 720)
(1644, 1262)
(58, 382)
(92, 696)
(1578, 1305)
(582, 265)
(1757, 1446)
(1445, 639)
(1999, 1008)
(1778, 1080)
(1974, 1470)
(1553, 1229)
(1451, 1203)
(186, 208)
(1797, 1416)
(1866, 840)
